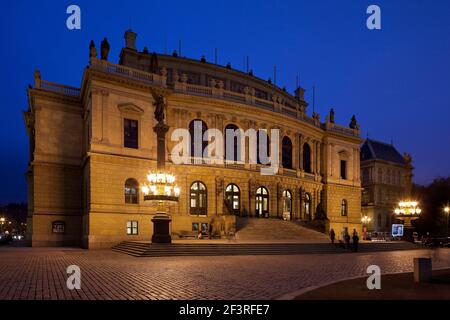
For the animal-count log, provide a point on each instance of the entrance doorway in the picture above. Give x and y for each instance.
(262, 203)
(233, 199)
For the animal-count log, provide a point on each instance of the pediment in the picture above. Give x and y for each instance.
(130, 108)
(344, 154)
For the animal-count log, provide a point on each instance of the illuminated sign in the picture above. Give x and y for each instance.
(397, 230)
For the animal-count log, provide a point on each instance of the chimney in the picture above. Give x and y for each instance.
(130, 39)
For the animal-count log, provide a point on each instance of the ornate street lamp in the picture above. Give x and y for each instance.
(407, 211)
(161, 185)
(365, 220)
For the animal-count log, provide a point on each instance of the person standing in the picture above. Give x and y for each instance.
(347, 239)
(355, 240)
(332, 235)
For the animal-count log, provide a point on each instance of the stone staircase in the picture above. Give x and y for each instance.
(141, 249)
(276, 229)
(256, 237)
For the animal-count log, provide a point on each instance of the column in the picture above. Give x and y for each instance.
(319, 152)
(296, 151)
(300, 152)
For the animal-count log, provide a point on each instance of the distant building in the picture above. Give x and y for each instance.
(386, 178)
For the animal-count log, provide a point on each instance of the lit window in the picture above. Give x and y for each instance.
(307, 206)
(131, 191)
(344, 208)
(132, 227)
(199, 197)
(232, 198)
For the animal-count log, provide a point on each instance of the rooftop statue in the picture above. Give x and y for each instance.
(92, 50)
(353, 123)
(331, 115)
(407, 158)
(104, 49)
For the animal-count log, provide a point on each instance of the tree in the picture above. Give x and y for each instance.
(433, 198)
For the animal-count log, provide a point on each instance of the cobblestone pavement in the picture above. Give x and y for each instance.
(29, 273)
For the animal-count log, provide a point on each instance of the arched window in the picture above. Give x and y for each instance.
(306, 158)
(230, 129)
(344, 208)
(261, 136)
(131, 191)
(286, 153)
(199, 198)
(307, 204)
(262, 202)
(233, 198)
(201, 124)
(287, 204)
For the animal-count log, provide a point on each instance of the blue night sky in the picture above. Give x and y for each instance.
(395, 80)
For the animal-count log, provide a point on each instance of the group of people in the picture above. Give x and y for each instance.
(346, 239)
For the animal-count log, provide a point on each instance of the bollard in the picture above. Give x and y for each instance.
(422, 270)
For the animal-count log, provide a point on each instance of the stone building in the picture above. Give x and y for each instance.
(92, 147)
(386, 178)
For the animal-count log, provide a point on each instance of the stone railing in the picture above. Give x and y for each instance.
(329, 126)
(58, 88)
(309, 176)
(289, 172)
(131, 73)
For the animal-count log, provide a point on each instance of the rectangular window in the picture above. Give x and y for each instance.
(132, 227)
(130, 133)
(343, 169)
(194, 226)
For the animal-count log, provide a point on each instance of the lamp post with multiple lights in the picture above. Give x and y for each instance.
(161, 185)
(365, 220)
(408, 211)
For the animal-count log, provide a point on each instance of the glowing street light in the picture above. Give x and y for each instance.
(407, 211)
(447, 211)
(2, 222)
(160, 187)
(365, 220)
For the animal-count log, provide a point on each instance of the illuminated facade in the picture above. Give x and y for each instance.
(386, 177)
(92, 147)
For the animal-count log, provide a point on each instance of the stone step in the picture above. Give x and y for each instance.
(274, 229)
(164, 250)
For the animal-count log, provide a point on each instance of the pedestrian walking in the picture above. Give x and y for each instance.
(332, 235)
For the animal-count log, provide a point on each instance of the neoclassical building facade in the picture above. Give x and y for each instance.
(386, 178)
(92, 147)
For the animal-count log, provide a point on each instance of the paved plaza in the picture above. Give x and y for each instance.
(40, 273)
